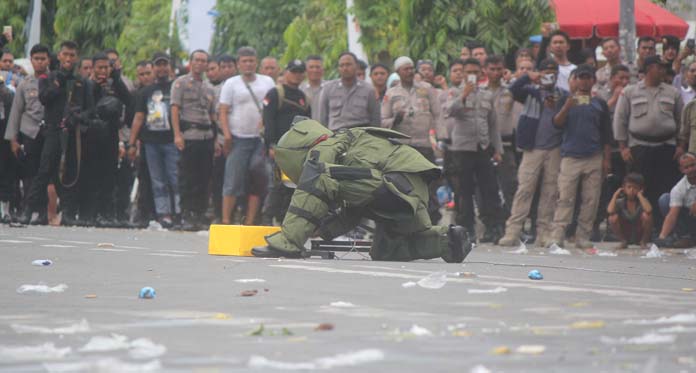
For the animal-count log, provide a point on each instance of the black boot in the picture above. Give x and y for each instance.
(459, 244)
(25, 217)
(188, 222)
(493, 234)
(70, 220)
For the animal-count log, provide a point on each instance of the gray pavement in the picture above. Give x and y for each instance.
(619, 313)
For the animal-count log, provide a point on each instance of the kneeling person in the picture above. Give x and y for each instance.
(354, 173)
(630, 213)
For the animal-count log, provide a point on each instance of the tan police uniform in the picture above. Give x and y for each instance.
(346, 107)
(420, 107)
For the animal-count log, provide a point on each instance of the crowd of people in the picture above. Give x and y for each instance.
(533, 146)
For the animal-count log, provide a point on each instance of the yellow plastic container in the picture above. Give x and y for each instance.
(237, 240)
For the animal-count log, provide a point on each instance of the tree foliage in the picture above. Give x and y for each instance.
(94, 24)
(254, 23)
(14, 14)
(146, 32)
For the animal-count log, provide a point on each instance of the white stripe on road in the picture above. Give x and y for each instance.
(115, 250)
(79, 242)
(178, 251)
(57, 245)
(171, 255)
(14, 241)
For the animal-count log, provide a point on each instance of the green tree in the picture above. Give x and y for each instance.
(146, 32)
(321, 29)
(14, 13)
(94, 24)
(259, 24)
(379, 25)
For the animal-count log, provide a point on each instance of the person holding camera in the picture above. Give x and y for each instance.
(474, 143)
(67, 100)
(101, 149)
(540, 142)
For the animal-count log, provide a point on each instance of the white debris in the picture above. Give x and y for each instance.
(46, 351)
(606, 253)
(340, 360)
(690, 254)
(654, 252)
(203, 233)
(81, 327)
(140, 348)
(677, 329)
(434, 280)
(42, 262)
(109, 365)
(681, 318)
(646, 339)
(408, 284)
(497, 290)
(419, 331)
(105, 244)
(531, 349)
(522, 249)
(480, 369)
(41, 288)
(155, 226)
(342, 304)
(557, 250)
(249, 280)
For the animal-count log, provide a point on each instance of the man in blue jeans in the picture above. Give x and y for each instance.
(153, 117)
(679, 208)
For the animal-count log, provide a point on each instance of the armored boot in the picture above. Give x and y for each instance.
(459, 244)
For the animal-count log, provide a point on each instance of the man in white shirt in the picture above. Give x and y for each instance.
(559, 45)
(240, 121)
(679, 207)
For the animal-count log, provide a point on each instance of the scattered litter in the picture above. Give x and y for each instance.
(688, 290)
(45, 351)
(90, 296)
(522, 249)
(147, 293)
(501, 350)
(535, 275)
(646, 339)
(686, 318)
(677, 329)
(480, 369)
(249, 293)
(141, 348)
(557, 250)
(221, 316)
(409, 284)
(342, 304)
(108, 365)
(81, 327)
(42, 263)
(461, 333)
(597, 324)
(257, 332)
(607, 253)
(434, 280)
(324, 327)
(249, 280)
(155, 226)
(687, 360)
(592, 251)
(690, 254)
(497, 290)
(531, 349)
(41, 288)
(261, 331)
(466, 274)
(654, 252)
(419, 331)
(203, 233)
(340, 360)
(105, 244)
(579, 304)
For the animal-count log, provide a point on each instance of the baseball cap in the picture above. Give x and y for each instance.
(296, 66)
(158, 56)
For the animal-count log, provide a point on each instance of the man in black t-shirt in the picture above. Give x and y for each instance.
(152, 126)
(281, 105)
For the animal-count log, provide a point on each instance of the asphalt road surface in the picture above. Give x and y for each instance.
(591, 312)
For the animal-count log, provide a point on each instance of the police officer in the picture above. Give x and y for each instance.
(646, 125)
(193, 115)
(25, 129)
(348, 102)
(413, 108)
(474, 144)
(67, 101)
(101, 151)
(8, 164)
(342, 172)
(280, 106)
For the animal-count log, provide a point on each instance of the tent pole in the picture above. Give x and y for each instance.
(627, 31)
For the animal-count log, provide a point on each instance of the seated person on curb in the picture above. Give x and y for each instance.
(630, 213)
(354, 173)
(679, 208)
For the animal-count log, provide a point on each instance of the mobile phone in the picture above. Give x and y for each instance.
(582, 100)
(547, 79)
(691, 43)
(471, 79)
(6, 29)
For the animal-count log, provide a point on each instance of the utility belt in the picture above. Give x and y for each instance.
(653, 139)
(186, 125)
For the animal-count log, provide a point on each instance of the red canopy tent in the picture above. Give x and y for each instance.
(585, 19)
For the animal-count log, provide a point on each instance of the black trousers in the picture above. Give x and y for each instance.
(99, 173)
(48, 173)
(471, 169)
(29, 166)
(9, 173)
(195, 168)
(610, 185)
(125, 176)
(658, 167)
(144, 202)
(218, 179)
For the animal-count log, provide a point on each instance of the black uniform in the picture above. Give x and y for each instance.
(8, 162)
(281, 105)
(66, 101)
